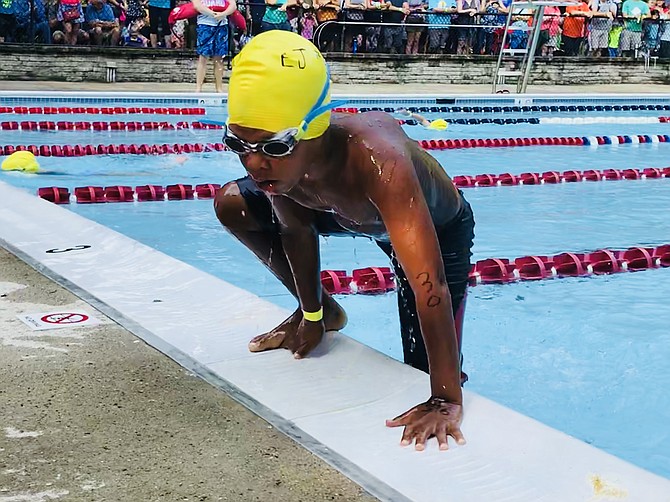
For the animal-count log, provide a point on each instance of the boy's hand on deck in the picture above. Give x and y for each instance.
(436, 417)
(306, 339)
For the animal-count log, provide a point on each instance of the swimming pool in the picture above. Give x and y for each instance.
(586, 355)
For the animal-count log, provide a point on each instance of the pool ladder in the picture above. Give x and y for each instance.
(517, 63)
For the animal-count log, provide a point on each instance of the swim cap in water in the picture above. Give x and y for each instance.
(278, 80)
(438, 125)
(21, 161)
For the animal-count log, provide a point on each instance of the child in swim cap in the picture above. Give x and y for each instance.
(23, 161)
(436, 125)
(313, 173)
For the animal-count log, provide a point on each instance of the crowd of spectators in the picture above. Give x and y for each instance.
(606, 28)
(131, 23)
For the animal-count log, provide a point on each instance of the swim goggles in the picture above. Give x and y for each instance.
(282, 143)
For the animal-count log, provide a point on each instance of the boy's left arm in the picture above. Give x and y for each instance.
(405, 213)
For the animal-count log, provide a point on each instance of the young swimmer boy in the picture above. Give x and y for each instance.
(311, 174)
(436, 125)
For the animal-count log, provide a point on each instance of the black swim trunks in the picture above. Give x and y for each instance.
(455, 239)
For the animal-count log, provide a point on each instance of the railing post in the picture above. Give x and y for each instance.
(111, 72)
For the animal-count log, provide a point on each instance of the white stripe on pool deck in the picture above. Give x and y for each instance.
(335, 402)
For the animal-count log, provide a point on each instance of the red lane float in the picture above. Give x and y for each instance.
(570, 176)
(122, 193)
(492, 270)
(117, 110)
(637, 258)
(600, 262)
(514, 142)
(119, 194)
(150, 192)
(90, 194)
(377, 280)
(208, 190)
(57, 195)
(336, 282)
(115, 125)
(531, 268)
(133, 149)
(179, 192)
(662, 255)
(549, 177)
(372, 280)
(427, 144)
(569, 265)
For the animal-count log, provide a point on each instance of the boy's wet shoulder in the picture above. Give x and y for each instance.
(366, 122)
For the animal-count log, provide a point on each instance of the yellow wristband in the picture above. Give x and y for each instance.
(313, 316)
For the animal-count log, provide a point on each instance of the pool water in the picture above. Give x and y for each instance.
(587, 355)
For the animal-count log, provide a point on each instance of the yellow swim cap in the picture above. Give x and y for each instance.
(279, 80)
(21, 161)
(438, 125)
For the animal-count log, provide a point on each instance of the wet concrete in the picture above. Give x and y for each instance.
(94, 414)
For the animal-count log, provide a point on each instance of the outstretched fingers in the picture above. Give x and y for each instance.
(407, 436)
(442, 440)
(420, 440)
(400, 420)
(458, 436)
(305, 348)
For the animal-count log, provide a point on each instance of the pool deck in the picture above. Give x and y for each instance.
(96, 414)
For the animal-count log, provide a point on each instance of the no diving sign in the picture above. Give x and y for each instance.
(55, 320)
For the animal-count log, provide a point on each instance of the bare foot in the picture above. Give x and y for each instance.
(275, 337)
(334, 318)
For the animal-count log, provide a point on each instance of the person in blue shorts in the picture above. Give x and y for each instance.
(212, 34)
